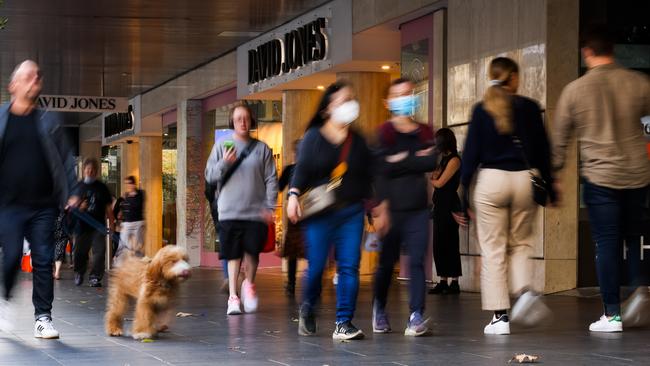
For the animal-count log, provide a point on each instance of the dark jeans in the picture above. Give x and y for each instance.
(342, 228)
(85, 241)
(615, 215)
(410, 229)
(37, 226)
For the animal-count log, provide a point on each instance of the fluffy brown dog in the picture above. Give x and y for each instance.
(153, 284)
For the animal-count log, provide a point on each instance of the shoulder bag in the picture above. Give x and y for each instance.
(322, 197)
(540, 192)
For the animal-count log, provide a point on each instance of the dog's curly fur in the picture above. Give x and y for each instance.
(153, 283)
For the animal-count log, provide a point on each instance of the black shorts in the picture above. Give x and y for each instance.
(238, 237)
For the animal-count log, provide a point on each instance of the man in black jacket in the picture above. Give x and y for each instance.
(37, 171)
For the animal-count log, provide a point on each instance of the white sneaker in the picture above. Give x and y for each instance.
(249, 296)
(44, 328)
(234, 306)
(499, 325)
(636, 310)
(7, 316)
(607, 325)
(529, 310)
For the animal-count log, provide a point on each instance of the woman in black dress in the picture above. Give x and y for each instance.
(445, 181)
(61, 239)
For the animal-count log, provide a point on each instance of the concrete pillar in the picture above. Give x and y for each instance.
(190, 180)
(370, 89)
(561, 224)
(298, 107)
(150, 180)
(130, 162)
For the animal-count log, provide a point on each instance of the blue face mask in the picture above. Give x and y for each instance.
(404, 106)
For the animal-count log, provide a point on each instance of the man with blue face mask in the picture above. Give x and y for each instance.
(96, 201)
(406, 154)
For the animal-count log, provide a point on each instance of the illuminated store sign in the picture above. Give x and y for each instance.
(296, 49)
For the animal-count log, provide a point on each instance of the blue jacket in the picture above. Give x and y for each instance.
(57, 150)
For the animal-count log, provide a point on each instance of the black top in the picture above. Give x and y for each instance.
(286, 176)
(26, 176)
(132, 207)
(96, 196)
(404, 183)
(446, 197)
(318, 157)
(486, 148)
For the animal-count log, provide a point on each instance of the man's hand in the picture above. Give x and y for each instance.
(397, 157)
(267, 215)
(73, 202)
(381, 219)
(229, 155)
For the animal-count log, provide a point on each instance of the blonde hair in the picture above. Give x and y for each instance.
(497, 101)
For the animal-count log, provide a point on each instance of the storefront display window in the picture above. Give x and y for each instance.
(169, 184)
(110, 169)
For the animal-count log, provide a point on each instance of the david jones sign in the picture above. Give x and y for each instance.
(69, 103)
(298, 48)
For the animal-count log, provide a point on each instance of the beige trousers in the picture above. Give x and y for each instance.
(505, 210)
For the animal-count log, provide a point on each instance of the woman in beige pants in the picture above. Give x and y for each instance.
(506, 143)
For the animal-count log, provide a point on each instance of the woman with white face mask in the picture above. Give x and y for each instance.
(332, 152)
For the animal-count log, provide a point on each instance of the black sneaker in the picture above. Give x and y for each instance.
(306, 321)
(346, 330)
(78, 279)
(454, 288)
(440, 289)
(94, 282)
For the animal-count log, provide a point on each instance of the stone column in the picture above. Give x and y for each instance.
(561, 224)
(190, 178)
(370, 89)
(150, 159)
(298, 107)
(130, 162)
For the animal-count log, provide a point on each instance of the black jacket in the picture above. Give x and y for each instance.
(56, 148)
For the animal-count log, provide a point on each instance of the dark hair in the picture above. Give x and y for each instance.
(93, 162)
(446, 141)
(130, 179)
(320, 117)
(398, 81)
(242, 104)
(599, 38)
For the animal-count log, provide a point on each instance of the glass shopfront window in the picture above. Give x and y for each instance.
(169, 184)
(110, 169)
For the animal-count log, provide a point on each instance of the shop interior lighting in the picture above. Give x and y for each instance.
(385, 67)
(320, 87)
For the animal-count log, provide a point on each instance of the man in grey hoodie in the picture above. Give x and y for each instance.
(246, 199)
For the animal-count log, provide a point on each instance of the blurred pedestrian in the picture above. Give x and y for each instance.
(505, 141)
(131, 208)
(332, 154)
(406, 155)
(604, 109)
(293, 242)
(38, 173)
(61, 240)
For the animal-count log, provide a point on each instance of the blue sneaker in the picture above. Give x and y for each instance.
(380, 322)
(416, 326)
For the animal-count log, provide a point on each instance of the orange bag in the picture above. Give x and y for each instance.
(269, 246)
(26, 263)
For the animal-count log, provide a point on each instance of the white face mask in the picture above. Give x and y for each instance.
(346, 113)
(89, 180)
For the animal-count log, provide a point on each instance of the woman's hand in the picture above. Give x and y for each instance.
(381, 219)
(294, 213)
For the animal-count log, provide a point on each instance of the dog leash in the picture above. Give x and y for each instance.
(91, 221)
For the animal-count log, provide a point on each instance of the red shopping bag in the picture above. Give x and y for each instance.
(26, 263)
(269, 246)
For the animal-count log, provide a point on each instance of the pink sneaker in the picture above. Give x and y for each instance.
(234, 306)
(249, 296)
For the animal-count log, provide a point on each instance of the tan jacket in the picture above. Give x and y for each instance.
(605, 107)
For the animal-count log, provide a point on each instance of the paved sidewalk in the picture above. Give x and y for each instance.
(270, 336)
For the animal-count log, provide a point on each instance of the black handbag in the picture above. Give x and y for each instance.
(540, 190)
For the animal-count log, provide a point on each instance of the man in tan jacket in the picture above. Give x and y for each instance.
(604, 108)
